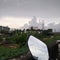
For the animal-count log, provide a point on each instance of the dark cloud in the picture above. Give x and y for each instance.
(41, 8)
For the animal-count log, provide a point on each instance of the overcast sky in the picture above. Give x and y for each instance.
(19, 12)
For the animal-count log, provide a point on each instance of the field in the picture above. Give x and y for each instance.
(15, 44)
(6, 53)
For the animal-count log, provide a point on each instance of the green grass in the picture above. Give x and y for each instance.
(6, 53)
(50, 40)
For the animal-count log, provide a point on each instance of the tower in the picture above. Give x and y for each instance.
(43, 25)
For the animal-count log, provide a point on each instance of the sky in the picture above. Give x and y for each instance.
(17, 13)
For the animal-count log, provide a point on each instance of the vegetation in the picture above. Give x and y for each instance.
(6, 53)
(20, 37)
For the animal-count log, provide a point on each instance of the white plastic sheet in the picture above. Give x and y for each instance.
(38, 49)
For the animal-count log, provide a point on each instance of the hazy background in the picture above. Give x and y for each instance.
(19, 13)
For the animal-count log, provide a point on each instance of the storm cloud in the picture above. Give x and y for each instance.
(49, 9)
(40, 8)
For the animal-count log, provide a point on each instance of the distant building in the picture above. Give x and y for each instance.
(2, 28)
(6, 28)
